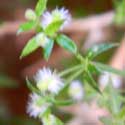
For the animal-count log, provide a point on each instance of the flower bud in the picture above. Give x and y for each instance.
(30, 15)
(76, 91)
(42, 39)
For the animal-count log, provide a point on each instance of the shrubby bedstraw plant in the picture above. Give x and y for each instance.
(49, 83)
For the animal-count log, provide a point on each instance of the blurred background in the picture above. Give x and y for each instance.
(87, 28)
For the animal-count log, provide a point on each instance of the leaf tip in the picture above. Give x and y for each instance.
(19, 31)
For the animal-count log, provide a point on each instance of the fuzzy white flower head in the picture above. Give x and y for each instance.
(76, 90)
(107, 77)
(56, 15)
(42, 39)
(48, 81)
(34, 108)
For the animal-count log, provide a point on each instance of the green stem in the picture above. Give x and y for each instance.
(72, 78)
(80, 57)
(75, 75)
(67, 71)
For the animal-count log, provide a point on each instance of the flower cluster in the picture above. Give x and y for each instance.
(47, 24)
(106, 78)
(48, 19)
(38, 108)
(56, 15)
(47, 82)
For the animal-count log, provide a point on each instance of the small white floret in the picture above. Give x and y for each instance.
(30, 15)
(56, 15)
(106, 78)
(42, 40)
(34, 108)
(76, 90)
(48, 81)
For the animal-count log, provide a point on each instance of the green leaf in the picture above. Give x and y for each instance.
(98, 49)
(119, 12)
(30, 47)
(48, 49)
(31, 87)
(63, 103)
(40, 7)
(93, 69)
(47, 120)
(88, 77)
(121, 114)
(54, 27)
(25, 27)
(115, 100)
(107, 68)
(66, 43)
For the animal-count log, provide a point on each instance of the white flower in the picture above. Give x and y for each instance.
(76, 90)
(47, 19)
(56, 15)
(36, 106)
(48, 81)
(106, 78)
(42, 39)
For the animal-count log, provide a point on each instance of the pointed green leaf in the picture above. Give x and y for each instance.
(49, 119)
(91, 82)
(40, 7)
(31, 87)
(98, 49)
(66, 43)
(53, 27)
(63, 103)
(93, 69)
(115, 103)
(25, 27)
(48, 49)
(107, 68)
(30, 47)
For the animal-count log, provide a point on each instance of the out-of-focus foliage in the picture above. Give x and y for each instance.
(114, 101)
(119, 6)
(18, 121)
(7, 82)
